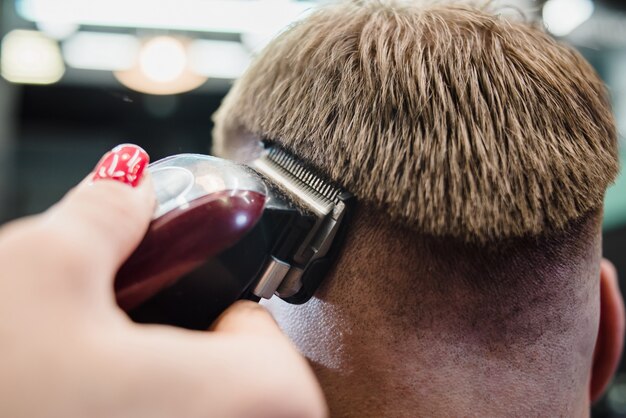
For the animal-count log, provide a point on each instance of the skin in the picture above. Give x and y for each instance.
(385, 340)
(68, 351)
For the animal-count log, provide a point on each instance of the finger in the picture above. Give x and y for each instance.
(173, 372)
(103, 219)
(246, 317)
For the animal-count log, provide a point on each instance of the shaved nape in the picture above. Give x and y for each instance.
(453, 120)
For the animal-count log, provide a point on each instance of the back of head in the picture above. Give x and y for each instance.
(480, 150)
(456, 121)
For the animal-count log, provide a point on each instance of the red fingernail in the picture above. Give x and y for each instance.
(124, 163)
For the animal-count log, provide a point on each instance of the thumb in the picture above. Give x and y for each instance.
(246, 318)
(105, 217)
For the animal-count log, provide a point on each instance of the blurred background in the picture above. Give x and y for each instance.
(78, 77)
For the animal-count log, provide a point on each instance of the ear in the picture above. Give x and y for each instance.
(610, 340)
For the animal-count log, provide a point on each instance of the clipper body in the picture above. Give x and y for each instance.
(223, 232)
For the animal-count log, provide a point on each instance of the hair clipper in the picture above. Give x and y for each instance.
(224, 231)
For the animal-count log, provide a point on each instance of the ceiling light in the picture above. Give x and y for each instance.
(162, 68)
(29, 57)
(163, 59)
(233, 16)
(218, 59)
(57, 30)
(561, 17)
(101, 51)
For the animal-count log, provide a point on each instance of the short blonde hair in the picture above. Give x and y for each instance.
(453, 120)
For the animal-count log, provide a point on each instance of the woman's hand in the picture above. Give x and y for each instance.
(67, 350)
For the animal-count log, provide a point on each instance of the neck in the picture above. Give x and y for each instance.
(369, 367)
(382, 349)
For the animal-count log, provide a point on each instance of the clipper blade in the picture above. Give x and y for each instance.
(329, 203)
(290, 174)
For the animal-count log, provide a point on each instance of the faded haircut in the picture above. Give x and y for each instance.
(453, 120)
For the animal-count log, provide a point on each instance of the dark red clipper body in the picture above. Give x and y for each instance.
(182, 240)
(222, 232)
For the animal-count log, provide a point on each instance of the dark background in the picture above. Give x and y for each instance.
(63, 130)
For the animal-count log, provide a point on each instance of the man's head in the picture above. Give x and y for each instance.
(480, 150)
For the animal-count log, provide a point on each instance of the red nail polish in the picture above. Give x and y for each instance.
(124, 163)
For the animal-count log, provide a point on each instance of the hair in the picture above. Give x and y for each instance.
(454, 121)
